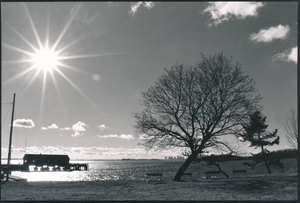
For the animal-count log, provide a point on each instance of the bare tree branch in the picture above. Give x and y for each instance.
(291, 127)
(192, 106)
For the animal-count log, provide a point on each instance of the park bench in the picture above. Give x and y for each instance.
(212, 174)
(237, 172)
(150, 175)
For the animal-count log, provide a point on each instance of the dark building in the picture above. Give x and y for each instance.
(46, 159)
(45, 162)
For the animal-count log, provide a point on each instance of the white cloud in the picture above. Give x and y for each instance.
(224, 11)
(76, 134)
(103, 127)
(78, 127)
(270, 34)
(52, 126)
(23, 123)
(136, 5)
(143, 137)
(290, 55)
(107, 136)
(127, 137)
(241, 139)
(66, 128)
(122, 136)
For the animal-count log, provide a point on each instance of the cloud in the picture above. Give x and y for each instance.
(103, 127)
(290, 55)
(44, 128)
(143, 137)
(127, 137)
(23, 123)
(224, 11)
(52, 126)
(122, 136)
(66, 128)
(107, 136)
(241, 139)
(78, 127)
(136, 5)
(271, 33)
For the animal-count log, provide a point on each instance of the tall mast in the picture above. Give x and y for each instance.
(10, 138)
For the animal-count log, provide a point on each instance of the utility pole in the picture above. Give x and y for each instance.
(10, 138)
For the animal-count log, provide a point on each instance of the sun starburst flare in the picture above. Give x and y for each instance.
(45, 59)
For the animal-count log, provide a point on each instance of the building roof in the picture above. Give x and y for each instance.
(26, 156)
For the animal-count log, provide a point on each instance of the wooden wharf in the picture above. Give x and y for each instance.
(38, 168)
(42, 163)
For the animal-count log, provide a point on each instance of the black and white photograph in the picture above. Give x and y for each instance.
(149, 101)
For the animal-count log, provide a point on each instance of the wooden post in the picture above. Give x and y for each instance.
(10, 138)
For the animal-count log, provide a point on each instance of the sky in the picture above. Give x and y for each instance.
(101, 56)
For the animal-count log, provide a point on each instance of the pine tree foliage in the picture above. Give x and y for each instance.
(255, 132)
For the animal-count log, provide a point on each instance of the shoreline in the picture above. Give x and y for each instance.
(265, 187)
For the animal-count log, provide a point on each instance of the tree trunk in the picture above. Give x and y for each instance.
(264, 156)
(184, 166)
(268, 167)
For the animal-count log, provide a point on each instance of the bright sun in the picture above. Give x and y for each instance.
(45, 59)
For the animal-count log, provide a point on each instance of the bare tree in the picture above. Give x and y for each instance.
(192, 107)
(291, 127)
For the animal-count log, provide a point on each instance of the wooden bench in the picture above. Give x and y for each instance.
(149, 175)
(237, 172)
(212, 174)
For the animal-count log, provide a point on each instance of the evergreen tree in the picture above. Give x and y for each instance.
(255, 132)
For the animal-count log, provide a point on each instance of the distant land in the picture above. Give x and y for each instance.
(280, 154)
(141, 159)
(97, 159)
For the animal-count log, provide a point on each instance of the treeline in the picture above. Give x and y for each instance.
(282, 154)
(279, 154)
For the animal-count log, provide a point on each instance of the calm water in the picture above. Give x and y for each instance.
(108, 170)
(136, 170)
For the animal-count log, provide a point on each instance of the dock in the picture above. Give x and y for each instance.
(43, 163)
(49, 168)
